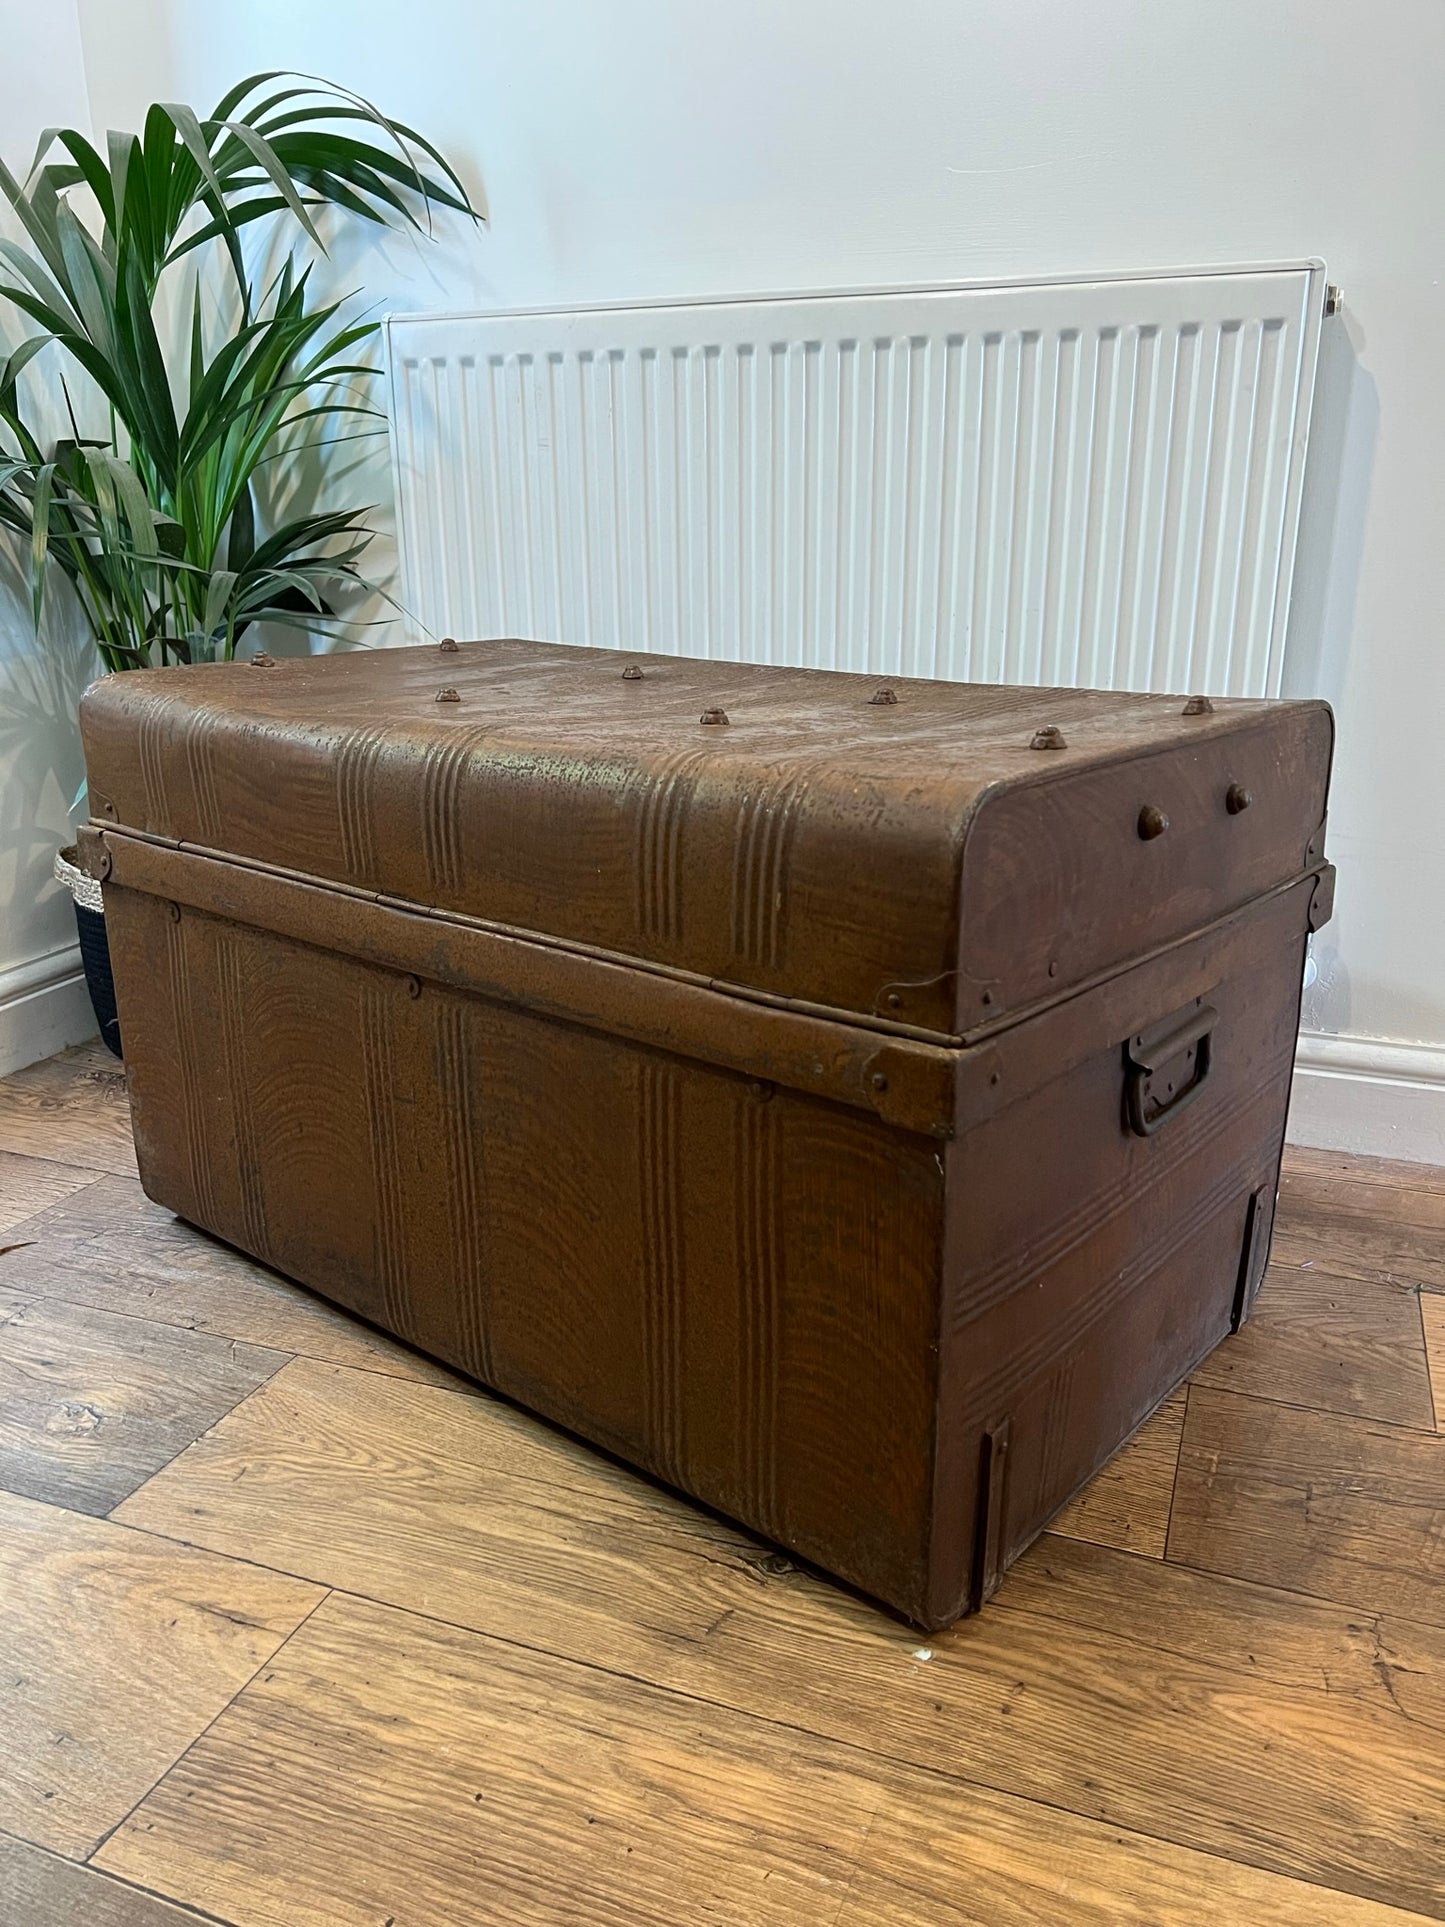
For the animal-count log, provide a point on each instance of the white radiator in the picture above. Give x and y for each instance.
(1075, 483)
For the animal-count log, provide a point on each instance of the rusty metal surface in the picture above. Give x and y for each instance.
(904, 1081)
(815, 1109)
(818, 845)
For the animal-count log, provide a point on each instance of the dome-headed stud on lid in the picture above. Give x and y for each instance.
(1049, 737)
(1198, 706)
(262, 661)
(882, 697)
(1152, 822)
(448, 696)
(448, 646)
(713, 716)
(632, 673)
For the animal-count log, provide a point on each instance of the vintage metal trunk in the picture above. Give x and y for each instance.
(859, 1107)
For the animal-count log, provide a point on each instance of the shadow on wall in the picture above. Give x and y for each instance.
(41, 767)
(1344, 432)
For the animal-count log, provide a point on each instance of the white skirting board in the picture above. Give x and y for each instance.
(1369, 1096)
(44, 1008)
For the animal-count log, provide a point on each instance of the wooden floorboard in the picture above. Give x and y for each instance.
(1344, 1508)
(1388, 1233)
(1333, 1344)
(42, 1889)
(1304, 1161)
(459, 1507)
(114, 1250)
(1050, 1869)
(71, 1109)
(116, 1651)
(1264, 1635)
(389, 1768)
(29, 1184)
(92, 1404)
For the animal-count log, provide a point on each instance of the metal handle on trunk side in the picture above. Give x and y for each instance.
(1149, 1055)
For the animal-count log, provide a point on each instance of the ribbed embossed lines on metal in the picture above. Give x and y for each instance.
(152, 741)
(200, 744)
(1055, 1339)
(766, 819)
(759, 1269)
(459, 1078)
(439, 788)
(659, 1167)
(232, 989)
(193, 1109)
(379, 1072)
(356, 761)
(657, 859)
(1049, 1244)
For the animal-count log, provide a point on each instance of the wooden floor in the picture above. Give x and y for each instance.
(296, 1627)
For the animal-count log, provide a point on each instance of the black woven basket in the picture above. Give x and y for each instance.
(94, 947)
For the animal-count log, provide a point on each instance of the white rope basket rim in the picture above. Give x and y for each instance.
(81, 886)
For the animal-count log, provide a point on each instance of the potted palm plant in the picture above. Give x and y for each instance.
(182, 373)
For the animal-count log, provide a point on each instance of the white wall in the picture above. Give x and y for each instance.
(43, 1005)
(637, 148)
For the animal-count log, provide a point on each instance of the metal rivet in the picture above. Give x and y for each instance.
(413, 986)
(987, 997)
(881, 697)
(1053, 967)
(108, 808)
(1198, 706)
(776, 1565)
(878, 1081)
(262, 661)
(894, 1001)
(995, 1077)
(105, 864)
(713, 716)
(632, 673)
(1049, 737)
(173, 911)
(761, 1089)
(448, 646)
(1237, 798)
(1152, 822)
(448, 696)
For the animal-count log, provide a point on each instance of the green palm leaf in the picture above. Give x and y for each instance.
(154, 521)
